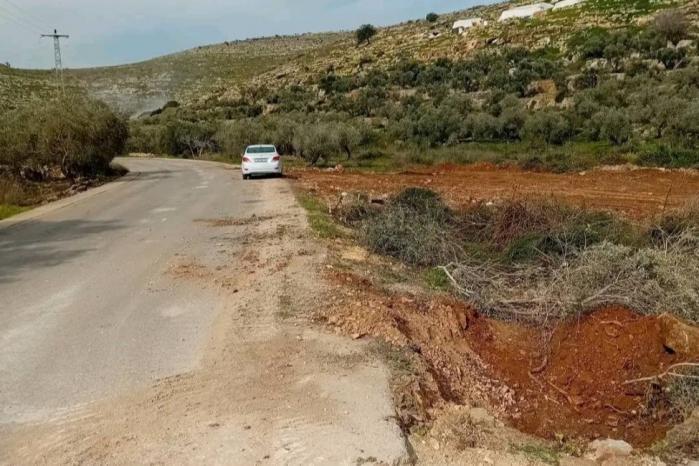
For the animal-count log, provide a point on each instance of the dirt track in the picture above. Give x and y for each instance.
(637, 193)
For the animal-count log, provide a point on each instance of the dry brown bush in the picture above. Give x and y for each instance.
(651, 280)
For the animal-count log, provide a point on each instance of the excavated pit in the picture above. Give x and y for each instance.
(569, 381)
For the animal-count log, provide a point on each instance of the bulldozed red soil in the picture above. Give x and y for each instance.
(566, 382)
(637, 193)
(575, 382)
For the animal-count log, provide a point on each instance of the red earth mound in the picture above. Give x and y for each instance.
(572, 382)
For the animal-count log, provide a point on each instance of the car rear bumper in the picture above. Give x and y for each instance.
(261, 168)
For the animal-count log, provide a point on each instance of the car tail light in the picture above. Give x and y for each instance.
(247, 159)
(275, 158)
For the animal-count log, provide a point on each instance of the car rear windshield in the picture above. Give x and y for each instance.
(260, 150)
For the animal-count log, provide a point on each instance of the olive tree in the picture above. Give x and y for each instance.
(672, 25)
(365, 33)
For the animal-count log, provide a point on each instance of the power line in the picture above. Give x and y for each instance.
(32, 17)
(22, 16)
(22, 23)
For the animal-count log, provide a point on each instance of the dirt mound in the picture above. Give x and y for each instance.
(572, 382)
(567, 382)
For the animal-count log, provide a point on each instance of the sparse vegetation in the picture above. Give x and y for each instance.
(561, 94)
(540, 259)
(319, 219)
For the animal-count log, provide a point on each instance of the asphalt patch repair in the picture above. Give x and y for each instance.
(568, 382)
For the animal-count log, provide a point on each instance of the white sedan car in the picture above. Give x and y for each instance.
(261, 160)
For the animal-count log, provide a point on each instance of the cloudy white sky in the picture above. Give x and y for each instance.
(108, 32)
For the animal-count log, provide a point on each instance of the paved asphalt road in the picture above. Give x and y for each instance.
(86, 305)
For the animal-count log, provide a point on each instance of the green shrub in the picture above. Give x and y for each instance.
(614, 125)
(144, 138)
(186, 138)
(684, 127)
(549, 126)
(234, 136)
(78, 135)
(668, 156)
(432, 17)
(481, 126)
(437, 279)
(591, 42)
(348, 138)
(671, 58)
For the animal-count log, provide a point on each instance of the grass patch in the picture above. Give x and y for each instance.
(8, 210)
(572, 156)
(538, 453)
(319, 219)
(397, 359)
(436, 279)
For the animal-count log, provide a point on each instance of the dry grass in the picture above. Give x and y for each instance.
(539, 260)
(11, 192)
(415, 227)
(651, 280)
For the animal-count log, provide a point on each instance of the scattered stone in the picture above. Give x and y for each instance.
(601, 450)
(678, 336)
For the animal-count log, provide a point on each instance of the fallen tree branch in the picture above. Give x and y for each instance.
(453, 281)
(668, 372)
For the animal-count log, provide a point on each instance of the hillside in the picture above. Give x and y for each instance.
(425, 41)
(568, 89)
(221, 69)
(181, 76)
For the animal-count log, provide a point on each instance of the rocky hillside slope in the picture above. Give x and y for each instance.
(220, 70)
(181, 76)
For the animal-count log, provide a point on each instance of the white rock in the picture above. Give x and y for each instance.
(601, 450)
(480, 416)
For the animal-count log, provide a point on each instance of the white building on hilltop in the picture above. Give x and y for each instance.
(525, 11)
(463, 25)
(566, 3)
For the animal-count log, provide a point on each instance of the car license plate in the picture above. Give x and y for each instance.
(260, 160)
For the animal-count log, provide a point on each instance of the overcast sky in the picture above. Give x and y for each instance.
(109, 32)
